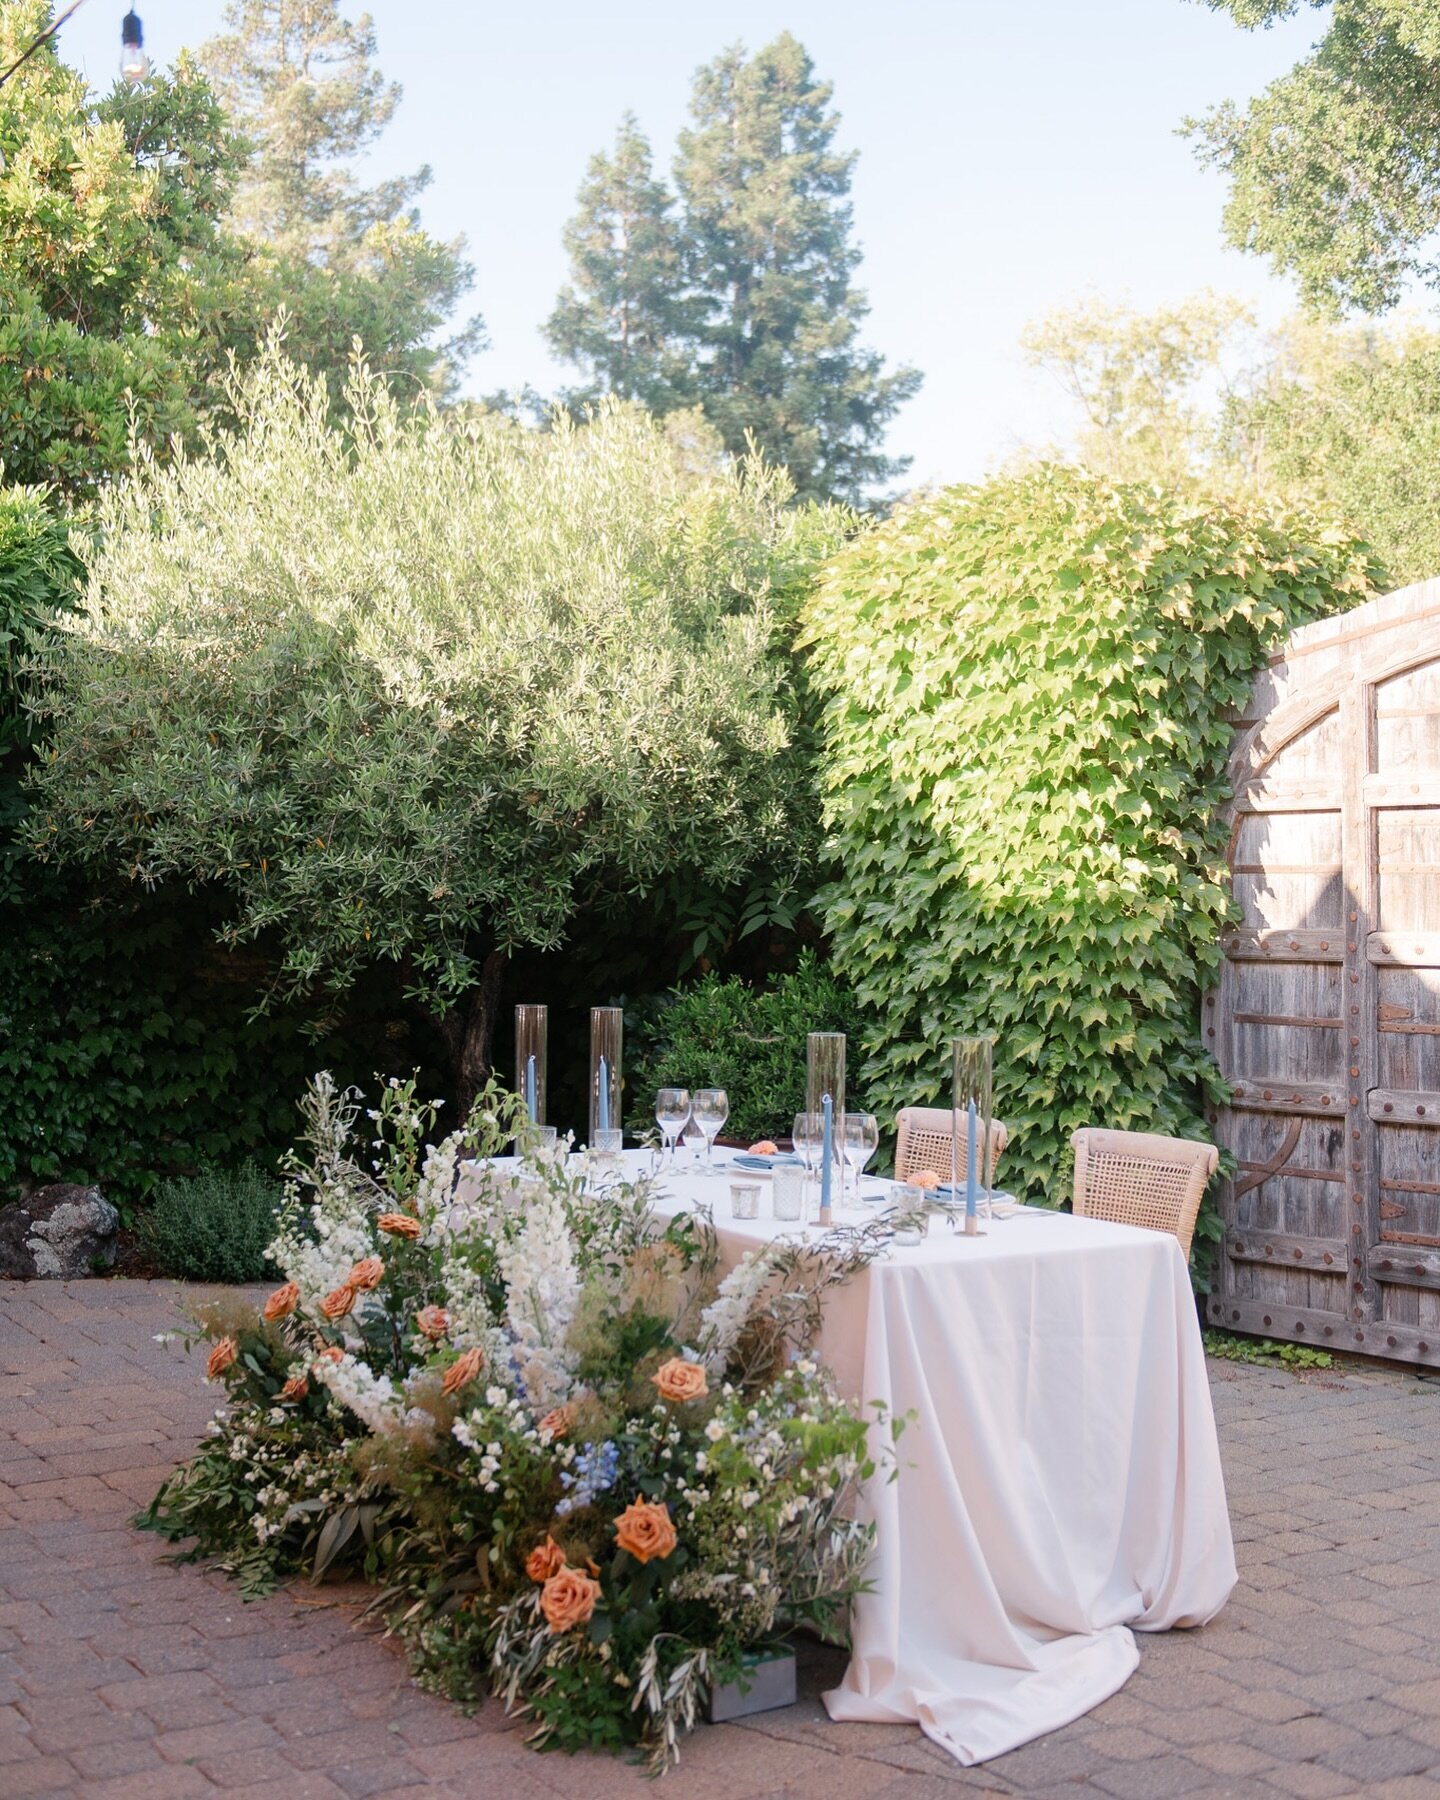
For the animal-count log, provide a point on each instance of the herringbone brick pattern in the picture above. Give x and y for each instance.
(121, 1675)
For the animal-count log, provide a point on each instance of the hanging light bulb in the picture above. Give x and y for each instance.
(134, 63)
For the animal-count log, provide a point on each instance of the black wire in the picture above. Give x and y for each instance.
(44, 36)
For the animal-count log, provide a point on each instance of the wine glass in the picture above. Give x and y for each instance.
(860, 1142)
(710, 1109)
(672, 1115)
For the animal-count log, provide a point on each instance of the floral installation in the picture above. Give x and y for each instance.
(584, 1471)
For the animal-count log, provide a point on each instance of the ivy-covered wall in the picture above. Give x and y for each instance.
(1026, 687)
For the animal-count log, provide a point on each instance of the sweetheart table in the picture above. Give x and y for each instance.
(1060, 1483)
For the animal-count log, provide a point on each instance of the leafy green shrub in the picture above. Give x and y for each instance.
(1027, 686)
(214, 1226)
(751, 1042)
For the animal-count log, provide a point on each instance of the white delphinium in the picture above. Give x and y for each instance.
(438, 1178)
(724, 1318)
(374, 1399)
(543, 1284)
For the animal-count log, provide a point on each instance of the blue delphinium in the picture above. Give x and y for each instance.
(595, 1469)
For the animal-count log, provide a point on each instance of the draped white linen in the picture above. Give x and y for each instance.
(1060, 1483)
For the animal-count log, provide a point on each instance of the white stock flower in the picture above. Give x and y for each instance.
(539, 1271)
(724, 1318)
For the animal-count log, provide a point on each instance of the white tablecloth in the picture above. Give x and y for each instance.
(1060, 1482)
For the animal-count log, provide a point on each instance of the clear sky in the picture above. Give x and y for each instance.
(1014, 154)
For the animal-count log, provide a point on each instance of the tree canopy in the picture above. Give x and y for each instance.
(1335, 169)
(415, 689)
(736, 289)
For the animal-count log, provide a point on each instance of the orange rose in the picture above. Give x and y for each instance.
(567, 1600)
(557, 1422)
(765, 1148)
(923, 1178)
(332, 1353)
(680, 1380)
(461, 1372)
(221, 1358)
(545, 1560)
(399, 1225)
(366, 1275)
(433, 1322)
(282, 1302)
(335, 1305)
(644, 1529)
(296, 1388)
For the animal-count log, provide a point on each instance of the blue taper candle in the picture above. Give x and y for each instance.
(530, 1089)
(970, 1161)
(603, 1110)
(827, 1112)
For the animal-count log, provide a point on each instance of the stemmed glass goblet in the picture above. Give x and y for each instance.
(710, 1109)
(860, 1142)
(672, 1115)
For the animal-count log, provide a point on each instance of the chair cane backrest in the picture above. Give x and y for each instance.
(926, 1140)
(1138, 1178)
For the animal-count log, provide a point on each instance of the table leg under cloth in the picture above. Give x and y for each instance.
(1060, 1481)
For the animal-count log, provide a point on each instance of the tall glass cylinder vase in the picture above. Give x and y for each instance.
(531, 1031)
(607, 1118)
(825, 1097)
(971, 1124)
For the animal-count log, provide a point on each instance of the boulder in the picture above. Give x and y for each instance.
(62, 1233)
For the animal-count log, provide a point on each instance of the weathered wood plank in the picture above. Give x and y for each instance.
(1399, 1106)
(1328, 1331)
(1404, 949)
(1420, 787)
(1303, 944)
(1271, 1093)
(1286, 1251)
(1405, 1265)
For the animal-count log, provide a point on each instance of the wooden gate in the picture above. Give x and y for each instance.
(1326, 1020)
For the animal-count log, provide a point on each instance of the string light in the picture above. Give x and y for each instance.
(134, 63)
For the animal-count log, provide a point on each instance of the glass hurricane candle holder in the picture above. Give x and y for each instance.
(825, 1096)
(607, 1034)
(971, 1125)
(531, 1031)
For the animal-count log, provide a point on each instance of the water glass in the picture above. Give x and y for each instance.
(609, 1144)
(788, 1191)
(860, 1142)
(710, 1110)
(672, 1115)
(745, 1199)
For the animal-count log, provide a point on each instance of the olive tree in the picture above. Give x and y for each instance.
(418, 687)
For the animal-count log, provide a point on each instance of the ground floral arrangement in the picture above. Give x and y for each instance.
(583, 1471)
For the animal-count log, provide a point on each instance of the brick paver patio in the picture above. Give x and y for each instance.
(122, 1675)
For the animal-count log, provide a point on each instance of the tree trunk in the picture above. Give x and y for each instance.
(469, 1033)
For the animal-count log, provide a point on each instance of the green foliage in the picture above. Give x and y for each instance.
(300, 82)
(1231, 1346)
(751, 1042)
(214, 1226)
(39, 569)
(1027, 688)
(414, 692)
(742, 299)
(1335, 169)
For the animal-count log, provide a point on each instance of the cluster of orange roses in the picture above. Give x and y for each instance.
(568, 1596)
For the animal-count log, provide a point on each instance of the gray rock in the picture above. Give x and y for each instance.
(61, 1233)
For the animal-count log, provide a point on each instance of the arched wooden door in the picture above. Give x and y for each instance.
(1326, 1020)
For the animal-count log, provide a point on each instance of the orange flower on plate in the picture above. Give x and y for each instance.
(557, 1422)
(567, 1600)
(366, 1274)
(282, 1302)
(338, 1302)
(545, 1560)
(400, 1225)
(765, 1148)
(432, 1322)
(679, 1380)
(221, 1357)
(923, 1178)
(296, 1388)
(462, 1372)
(645, 1530)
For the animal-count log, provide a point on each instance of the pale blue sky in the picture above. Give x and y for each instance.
(1013, 154)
